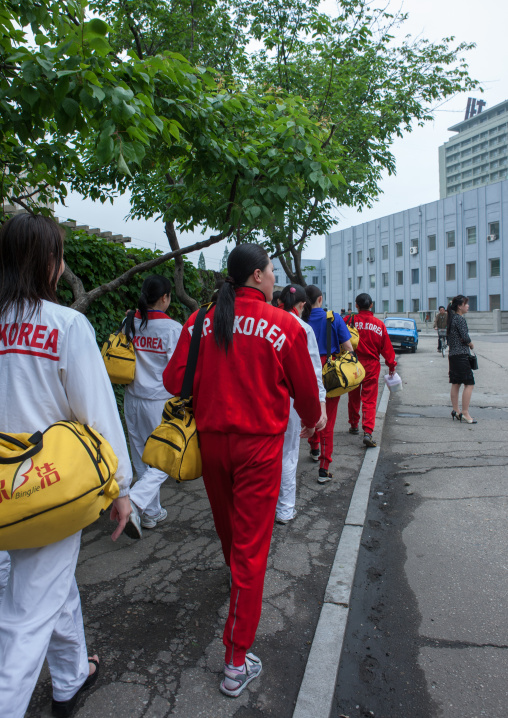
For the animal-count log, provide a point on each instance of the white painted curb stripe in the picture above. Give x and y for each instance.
(318, 685)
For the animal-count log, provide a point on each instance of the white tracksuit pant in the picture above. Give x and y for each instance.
(41, 618)
(287, 495)
(142, 416)
(5, 569)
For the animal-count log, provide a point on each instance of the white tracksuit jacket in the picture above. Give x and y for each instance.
(144, 401)
(50, 369)
(287, 495)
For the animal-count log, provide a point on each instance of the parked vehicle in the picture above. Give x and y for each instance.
(402, 332)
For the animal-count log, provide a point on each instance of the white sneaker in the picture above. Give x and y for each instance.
(235, 680)
(150, 522)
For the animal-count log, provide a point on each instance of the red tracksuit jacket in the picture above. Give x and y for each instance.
(374, 339)
(247, 390)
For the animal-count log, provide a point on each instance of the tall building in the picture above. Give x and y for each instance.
(478, 154)
(418, 259)
(313, 270)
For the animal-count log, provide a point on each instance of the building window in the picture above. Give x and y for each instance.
(276, 279)
(450, 272)
(432, 274)
(415, 276)
(473, 303)
(359, 257)
(399, 277)
(324, 281)
(372, 254)
(350, 307)
(471, 235)
(416, 305)
(315, 279)
(450, 238)
(495, 267)
(432, 242)
(494, 229)
(385, 279)
(494, 302)
(349, 259)
(414, 244)
(400, 305)
(398, 249)
(384, 252)
(432, 303)
(471, 270)
(349, 283)
(372, 281)
(359, 282)
(385, 305)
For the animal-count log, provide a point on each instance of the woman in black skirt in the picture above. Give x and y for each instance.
(460, 372)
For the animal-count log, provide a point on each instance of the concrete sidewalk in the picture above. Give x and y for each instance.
(428, 635)
(155, 609)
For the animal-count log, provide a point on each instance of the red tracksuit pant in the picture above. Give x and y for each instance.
(242, 479)
(324, 439)
(366, 394)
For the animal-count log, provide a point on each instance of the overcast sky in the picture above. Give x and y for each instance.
(417, 178)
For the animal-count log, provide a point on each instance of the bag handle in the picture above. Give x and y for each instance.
(35, 439)
(329, 319)
(192, 359)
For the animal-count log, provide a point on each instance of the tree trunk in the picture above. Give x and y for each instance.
(179, 269)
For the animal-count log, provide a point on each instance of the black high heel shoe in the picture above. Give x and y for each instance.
(456, 416)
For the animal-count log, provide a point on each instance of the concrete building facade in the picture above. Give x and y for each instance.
(418, 259)
(314, 272)
(478, 154)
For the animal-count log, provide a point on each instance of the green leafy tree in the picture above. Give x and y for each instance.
(225, 256)
(201, 261)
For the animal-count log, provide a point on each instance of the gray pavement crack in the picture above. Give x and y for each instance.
(427, 642)
(464, 498)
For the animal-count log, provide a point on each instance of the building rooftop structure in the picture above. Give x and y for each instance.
(478, 154)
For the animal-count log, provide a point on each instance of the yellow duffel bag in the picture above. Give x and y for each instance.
(119, 354)
(173, 447)
(342, 374)
(54, 483)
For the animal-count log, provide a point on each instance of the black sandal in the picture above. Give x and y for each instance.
(63, 709)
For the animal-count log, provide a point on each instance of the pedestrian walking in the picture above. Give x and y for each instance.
(321, 442)
(252, 359)
(440, 324)
(374, 342)
(155, 338)
(293, 299)
(53, 371)
(460, 372)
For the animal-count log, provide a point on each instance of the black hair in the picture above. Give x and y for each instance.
(31, 253)
(363, 301)
(154, 287)
(313, 293)
(441, 307)
(242, 263)
(456, 302)
(292, 295)
(275, 298)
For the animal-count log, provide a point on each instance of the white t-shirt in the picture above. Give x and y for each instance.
(51, 369)
(154, 345)
(314, 355)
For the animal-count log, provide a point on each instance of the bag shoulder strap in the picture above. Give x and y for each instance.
(329, 319)
(192, 359)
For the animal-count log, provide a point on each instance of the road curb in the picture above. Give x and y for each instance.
(317, 689)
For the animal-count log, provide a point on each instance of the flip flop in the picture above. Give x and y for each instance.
(63, 709)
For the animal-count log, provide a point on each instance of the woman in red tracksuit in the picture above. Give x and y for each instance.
(374, 341)
(252, 359)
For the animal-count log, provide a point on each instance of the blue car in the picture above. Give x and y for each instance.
(402, 332)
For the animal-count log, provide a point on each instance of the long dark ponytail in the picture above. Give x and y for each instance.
(154, 287)
(451, 309)
(242, 262)
(31, 253)
(313, 293)
(292, 295)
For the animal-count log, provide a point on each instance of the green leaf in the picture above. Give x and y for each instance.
(70, 107)
(122, 166)
(30, 95)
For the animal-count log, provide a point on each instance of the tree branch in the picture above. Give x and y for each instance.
(180, 292)
(74, 282)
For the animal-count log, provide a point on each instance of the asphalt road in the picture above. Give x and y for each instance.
(427, 635)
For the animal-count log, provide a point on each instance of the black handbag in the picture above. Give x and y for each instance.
(473, 361)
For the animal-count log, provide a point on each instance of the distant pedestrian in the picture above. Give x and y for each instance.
(293, 299)
(275, 298)
(156, 336)
(440, 324)
(374, 341)
(252, 359)
(321, 443)
(460, 372)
